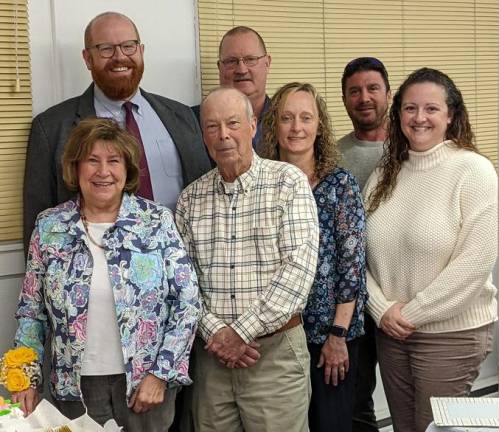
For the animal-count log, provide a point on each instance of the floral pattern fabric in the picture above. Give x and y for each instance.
(341, 267)
(154, 285)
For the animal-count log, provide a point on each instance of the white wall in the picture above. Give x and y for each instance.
(166, 27)
(168, 30)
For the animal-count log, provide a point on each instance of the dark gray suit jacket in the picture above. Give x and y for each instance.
(43, 184)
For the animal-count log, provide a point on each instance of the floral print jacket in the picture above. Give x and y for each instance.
(154, 286)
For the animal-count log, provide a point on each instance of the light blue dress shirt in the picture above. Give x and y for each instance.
(162, 156)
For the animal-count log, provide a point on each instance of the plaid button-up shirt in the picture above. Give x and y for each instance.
(254, 246)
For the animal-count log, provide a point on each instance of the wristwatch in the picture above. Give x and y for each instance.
(338, 331)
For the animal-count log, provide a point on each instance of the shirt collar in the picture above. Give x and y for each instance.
(138, 100)
(115, 106)
(245, 182)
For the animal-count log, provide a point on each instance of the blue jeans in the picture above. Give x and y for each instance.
(105, 398)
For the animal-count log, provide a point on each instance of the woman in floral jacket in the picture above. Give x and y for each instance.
(108, 276)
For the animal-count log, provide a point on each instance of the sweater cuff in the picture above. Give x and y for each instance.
(378, 307)
(413, 313)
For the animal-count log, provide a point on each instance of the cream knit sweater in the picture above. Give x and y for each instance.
(433, 244)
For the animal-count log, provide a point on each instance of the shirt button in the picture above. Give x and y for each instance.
(233, 237)
(232, 266)
(233, 209)
(232, 296)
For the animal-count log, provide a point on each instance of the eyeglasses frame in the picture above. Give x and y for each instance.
(136, 41)
(240, 59)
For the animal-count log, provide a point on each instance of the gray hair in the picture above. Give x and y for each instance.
(245, 99)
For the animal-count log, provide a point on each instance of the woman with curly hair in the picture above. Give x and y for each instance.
(297, 129)
(431, 247)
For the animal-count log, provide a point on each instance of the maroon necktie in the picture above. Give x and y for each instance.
(145, 187)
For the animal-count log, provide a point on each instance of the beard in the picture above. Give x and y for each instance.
(367, 124)
(118, 88)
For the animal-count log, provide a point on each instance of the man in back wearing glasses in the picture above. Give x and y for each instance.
(243, 63)
(166, 130)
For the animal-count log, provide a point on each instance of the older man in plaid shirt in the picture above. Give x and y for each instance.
(250, 226)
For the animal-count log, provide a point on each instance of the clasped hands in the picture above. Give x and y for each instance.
(231, 350)
(394, 324)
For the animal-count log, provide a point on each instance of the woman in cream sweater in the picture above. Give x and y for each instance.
(431, 247)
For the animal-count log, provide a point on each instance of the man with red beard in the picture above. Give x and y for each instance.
(366, 95)
(168, 130)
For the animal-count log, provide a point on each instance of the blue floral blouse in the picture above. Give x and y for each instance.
(154, 286)
(341, 275)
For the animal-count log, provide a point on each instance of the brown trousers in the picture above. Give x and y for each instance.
(429, 364)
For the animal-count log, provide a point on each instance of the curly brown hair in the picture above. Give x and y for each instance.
(326, 153)
(396, 147)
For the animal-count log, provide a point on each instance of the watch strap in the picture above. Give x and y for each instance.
(338, 331)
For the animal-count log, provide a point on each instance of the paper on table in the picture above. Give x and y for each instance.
(86, 424)
(48, 416)
(465, 411)
(434, 428)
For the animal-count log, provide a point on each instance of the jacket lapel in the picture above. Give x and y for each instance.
(86, 105)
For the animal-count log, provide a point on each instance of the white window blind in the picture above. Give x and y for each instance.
(15, 113)
(312, 40)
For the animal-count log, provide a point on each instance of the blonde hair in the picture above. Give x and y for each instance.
(326, 154)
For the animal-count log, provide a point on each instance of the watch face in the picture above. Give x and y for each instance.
(338, 331)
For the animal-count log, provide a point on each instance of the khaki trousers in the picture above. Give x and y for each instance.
(273, 395)
(429, 364)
